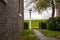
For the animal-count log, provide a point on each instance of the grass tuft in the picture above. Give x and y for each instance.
(28, 35)
(50, 33)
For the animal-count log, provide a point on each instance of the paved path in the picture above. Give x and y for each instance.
(42, 37)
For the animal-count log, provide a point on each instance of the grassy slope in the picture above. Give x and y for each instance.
(35, 23)
(25, 35)
(50, 33)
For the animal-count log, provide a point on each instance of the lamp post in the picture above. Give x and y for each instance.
(30, 17)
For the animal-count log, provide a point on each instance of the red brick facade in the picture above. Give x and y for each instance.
(58, 12)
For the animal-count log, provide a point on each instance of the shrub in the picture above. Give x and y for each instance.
(54, 24)
(42, 25)
(39, 25)
(25, 25)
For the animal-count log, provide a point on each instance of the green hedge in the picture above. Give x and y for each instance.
(42, 25)
(54, 24)
(25, 25)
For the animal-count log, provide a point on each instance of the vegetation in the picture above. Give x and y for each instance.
(41, 5)
(35, 23)
(43, 25)
(50, 33)
(27, 21)
(28, 32)
(54, 24)
(25, 25)
(28, 35)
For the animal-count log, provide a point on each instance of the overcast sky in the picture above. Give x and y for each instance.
(34, 15)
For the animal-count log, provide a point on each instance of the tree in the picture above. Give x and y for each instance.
(53, 8)
(44, 4)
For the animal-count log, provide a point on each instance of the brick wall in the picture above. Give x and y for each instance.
(58, 12)
(11, 24)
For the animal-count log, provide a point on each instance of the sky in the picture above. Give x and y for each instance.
(34, 15)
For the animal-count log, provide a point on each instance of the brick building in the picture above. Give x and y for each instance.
(58, 12)
(11, 23)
